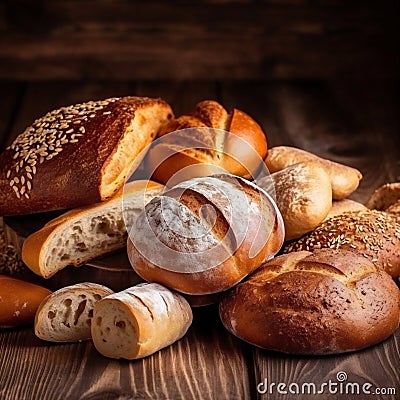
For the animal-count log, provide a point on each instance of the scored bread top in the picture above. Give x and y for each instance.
(77, 155)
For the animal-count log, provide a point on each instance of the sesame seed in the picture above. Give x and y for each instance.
(8, 174)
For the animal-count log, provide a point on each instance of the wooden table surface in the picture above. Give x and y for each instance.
(356, 123)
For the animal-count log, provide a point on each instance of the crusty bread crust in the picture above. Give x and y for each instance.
(77, 155)
(332, 301)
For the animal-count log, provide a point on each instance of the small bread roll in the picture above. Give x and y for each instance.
(19, 301)
(139, 321)
(373, 234)
(345, 205)
(328, 302)
(303, 195)
(66, 315)
(344, 179)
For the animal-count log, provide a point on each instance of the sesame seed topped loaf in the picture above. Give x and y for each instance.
(77, 155)
(374, 234)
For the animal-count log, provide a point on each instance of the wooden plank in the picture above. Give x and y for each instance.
(217, 40)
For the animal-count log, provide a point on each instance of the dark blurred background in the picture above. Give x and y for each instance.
(198, 40)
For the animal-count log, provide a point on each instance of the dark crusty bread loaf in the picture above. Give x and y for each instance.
(344, 179)
(373, 234)
(385, 198)
(331, 301)
(236, 143)
(205, 235)
(77, 155)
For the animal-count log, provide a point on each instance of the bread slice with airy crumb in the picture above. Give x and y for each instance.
(86, 233)
(66, 315)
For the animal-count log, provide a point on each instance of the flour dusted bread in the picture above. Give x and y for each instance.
(205, 235)
(19, 301)
(66, 315)
(344, 179)
(139, 321)
(370, 233)
(303, 195)
(77, 155)
(232, 142)
(85, 233)
(326, 302)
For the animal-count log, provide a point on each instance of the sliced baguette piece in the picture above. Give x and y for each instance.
(139, 321)
(66, 314)
(85, 233)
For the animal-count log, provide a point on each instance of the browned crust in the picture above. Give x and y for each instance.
(373, 234)
(71, 177)
(332, 301)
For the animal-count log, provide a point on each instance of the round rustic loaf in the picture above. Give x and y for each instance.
(209, 135)
(326, 302)
(77, 155)
(205, 234)
(373, 234)
(385, 198)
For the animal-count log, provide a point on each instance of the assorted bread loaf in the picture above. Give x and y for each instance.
(83, 234)
(325, 302)
(212, 238)
(210, 136)
(77, 155)
(19, 301)
(66, 315)
(205, 234)
(139, 321)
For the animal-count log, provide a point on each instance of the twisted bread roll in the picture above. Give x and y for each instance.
(77, 155)
(331, 301)
(235, 144)
(205, 235)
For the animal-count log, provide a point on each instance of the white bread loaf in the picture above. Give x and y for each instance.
(85, 233)
(205, 235)
(236, 143)
(77, 155)
(139, 321)
(66, 315)
(344, 179)
(326, 302)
